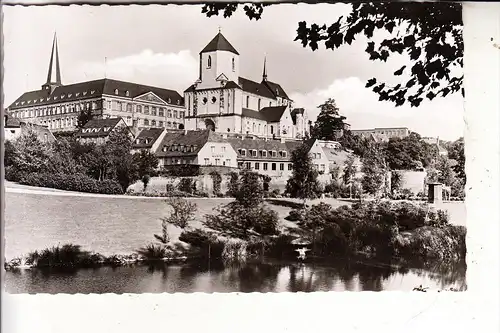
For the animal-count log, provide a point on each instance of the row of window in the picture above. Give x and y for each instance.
(262, 153)
(316, 155)
(179, 148)
(248, 166)
(55, 98)
(153, 110)
(52, 110)
(60, 123)
(226, 162)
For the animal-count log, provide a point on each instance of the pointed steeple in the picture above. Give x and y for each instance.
(219, 43)
(53, 79)
(264, 72)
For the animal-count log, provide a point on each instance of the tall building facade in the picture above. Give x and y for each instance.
(58, 106)
(223, 101)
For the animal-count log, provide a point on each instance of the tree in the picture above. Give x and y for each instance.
(30, 155)
(374, 172)
(329, 122)
(246, 218)
(250, 192)
(409, 153)
(429, 33)
(349, 173)
(146, 163)
(84, 117)
(303, 183)
(456, 152)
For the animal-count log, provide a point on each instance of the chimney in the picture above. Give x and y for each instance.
(282, 140)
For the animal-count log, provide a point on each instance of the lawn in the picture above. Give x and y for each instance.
(108, 224)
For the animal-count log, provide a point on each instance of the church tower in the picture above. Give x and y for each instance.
(54, 73)
(219, 61)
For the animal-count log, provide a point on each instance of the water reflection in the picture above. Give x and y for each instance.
(261, 276)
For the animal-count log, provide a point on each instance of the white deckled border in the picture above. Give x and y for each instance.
(473, 311)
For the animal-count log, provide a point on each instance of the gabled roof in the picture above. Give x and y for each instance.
(219, 43)
(147, 137)
(92, 89)
(276, 89)
(98, 127)
(269, 114)
(273, 113)
(255, 88)
(189, 143)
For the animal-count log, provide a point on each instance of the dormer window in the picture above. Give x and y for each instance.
(116, 91)
(77, 94)
(178, 102)
(243, 152)
(263, 153)
(169, 100)
(137, 141)
(127, 93)
(62, 96)
(209, 62)
(84, 93)
(69, 95)
(92, 92)
(29, 102)
(277, 92)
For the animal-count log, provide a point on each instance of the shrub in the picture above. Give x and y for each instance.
(12, 174)
(217, 180)
(233, 184)
(74, 182)
(294, 215)
(153, 252)
(65, 256)
(187, 185)
(180, 170)
(205, 243)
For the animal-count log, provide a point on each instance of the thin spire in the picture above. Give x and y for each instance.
(264, 72)
(55, 52)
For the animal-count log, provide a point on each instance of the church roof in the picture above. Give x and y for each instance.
(219, 43)
(270, 114)
(276, 89)
(92, 89)
(255, 88)
(294, 114)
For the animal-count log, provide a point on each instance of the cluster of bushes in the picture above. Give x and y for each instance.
(173, 193)
(368, 227)
(187, 170)
(71, 182)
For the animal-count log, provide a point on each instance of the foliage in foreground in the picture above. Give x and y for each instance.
(72, 182)
(380, 228)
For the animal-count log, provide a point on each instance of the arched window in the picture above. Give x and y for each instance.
(258, 106)
(272, 129)
(233, 64)
(209, 63)
(248, 101)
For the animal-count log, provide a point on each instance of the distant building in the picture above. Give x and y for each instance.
(200, 147)
(58, 106)
(437, 143)
(98, 130)
(225, 102)
(383, 134)
(14, 128)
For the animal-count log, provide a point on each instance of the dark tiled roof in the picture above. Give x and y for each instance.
(92, 89)
(193, 140)
(259, 144)
(39, 129)
(255, 88)
(219, 43)
(273, 113)
(270, 114)
(276, 89)
(98, 127)
(252, 114)
(147, 137)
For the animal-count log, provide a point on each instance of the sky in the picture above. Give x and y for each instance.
(159, 46)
